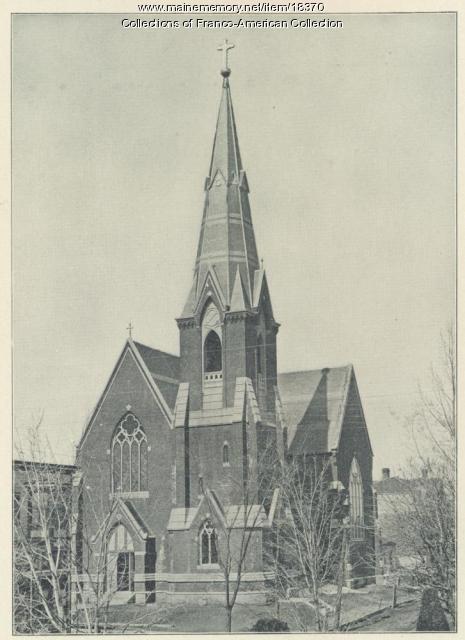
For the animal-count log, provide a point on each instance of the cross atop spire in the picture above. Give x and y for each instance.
(129, 328)
(225, 47)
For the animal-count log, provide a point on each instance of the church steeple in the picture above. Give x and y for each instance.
(227, 329)
(227, 241)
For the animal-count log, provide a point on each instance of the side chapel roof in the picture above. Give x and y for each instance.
(314, 404)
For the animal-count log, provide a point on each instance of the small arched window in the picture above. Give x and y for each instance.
(129, 456)
(258, 358)
(208, 544)
(212, 357)
(356, 501)
(226, 455)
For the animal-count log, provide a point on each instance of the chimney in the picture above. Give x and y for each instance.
(386, 473)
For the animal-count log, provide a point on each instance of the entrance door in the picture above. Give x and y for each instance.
(120, 561)
(125, 571)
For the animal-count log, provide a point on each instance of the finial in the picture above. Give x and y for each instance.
(225, 47)
(261, 263)
(130, 328)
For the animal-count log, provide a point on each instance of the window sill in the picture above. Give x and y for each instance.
(226, 464)
(142, 495)
(216, 566)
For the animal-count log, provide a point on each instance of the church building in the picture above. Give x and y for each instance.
(175, 441)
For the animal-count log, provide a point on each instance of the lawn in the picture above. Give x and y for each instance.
(198, 618)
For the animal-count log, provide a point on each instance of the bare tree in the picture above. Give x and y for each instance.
(311, 532)
(424, 510)
(63, 574)
(234, 527)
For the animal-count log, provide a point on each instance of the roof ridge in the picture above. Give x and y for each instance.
(343, 366)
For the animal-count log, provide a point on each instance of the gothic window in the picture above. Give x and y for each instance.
(120, 564)
(356, 501)
(226, 455)
(212, 353)
(129, 456)
(208, 544)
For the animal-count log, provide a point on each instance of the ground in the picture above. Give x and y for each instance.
(358, 613)
(403, 618)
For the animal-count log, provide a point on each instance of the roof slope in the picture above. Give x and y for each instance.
(164, 369)
(313, 404)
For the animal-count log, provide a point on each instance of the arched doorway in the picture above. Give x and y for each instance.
(120, 563)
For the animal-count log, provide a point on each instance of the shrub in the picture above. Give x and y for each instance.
(431, 616)
(270, 624)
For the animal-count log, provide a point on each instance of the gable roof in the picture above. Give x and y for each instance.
(155, 367)
(314, 403)
(128, 510)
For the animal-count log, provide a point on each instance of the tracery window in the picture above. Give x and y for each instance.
(129, 456)
(208, 544)
(356, 501)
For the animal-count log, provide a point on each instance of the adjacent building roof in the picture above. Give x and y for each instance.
(393, 485)
(313, 404)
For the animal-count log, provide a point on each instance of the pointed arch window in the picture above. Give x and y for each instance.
(211, 340)
(356, 501)
(129, 456)
(212, 353)
(226, 455)
(120, 561)
(208, 544)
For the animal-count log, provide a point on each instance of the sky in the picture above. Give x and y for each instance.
(348, 140)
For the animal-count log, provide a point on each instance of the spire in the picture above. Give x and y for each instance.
(227, 241)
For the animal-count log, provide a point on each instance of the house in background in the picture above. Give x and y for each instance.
(394, 497)
(42, 530)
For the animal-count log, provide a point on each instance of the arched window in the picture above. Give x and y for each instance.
(129, 456)
(356, 501)
(212, 358)
(226, 455)
(208, 544)
(120, 564)
(260, 384)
